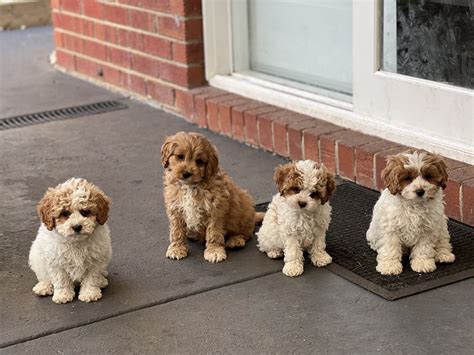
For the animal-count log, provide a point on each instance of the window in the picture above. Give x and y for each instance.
(359, 64)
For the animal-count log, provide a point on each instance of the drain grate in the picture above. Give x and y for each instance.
(61, 114)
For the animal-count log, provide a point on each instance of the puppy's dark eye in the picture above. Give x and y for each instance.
(428, 176)
(180, 156)
(85, 213)
(313, 195)
(65, 214)
(199, 162)
(407, 178)
(295, 190)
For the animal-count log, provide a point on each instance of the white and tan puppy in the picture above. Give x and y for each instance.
(409, 215)
(298, 216)
(73, 243)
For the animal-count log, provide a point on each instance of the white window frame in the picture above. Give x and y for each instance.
(383, 104)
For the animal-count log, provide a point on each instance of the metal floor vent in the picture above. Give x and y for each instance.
(61, 114)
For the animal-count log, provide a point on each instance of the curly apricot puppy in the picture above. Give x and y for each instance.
(202, 200)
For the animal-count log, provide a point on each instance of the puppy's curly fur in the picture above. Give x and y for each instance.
(409, 215)
(73, 242)
(298, 216)
(202, 200)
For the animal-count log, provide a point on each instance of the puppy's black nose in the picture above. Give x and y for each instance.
(302, 204)
(77, 228)
(420, 192)
(186, 174)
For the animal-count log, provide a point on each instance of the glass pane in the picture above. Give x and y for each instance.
(305, 41)
(430, 39)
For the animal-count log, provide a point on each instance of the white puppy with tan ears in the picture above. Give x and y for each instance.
(73, 243)
(409, 215)
(298, 216)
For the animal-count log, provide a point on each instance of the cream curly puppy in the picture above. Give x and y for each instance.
(409, 215)
(73, 243)
(298, 216)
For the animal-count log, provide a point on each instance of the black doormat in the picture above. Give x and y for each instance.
(355, 261)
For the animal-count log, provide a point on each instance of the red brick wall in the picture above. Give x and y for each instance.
(153, 48)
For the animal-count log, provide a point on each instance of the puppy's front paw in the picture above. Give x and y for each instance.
(215, 254)
(63, 295)
(293, 269)
(43, 289)
(103, 283)
(275, 254)
(90, 294)
(389, 267)
(423, 265)
(445, 257)
(235, 241)
(177, 252)
(321, 259)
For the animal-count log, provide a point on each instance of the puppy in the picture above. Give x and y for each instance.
(298, 216)
(73, 242)
(409, 215)
(202, 200)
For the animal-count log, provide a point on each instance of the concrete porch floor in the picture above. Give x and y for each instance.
(154, 305)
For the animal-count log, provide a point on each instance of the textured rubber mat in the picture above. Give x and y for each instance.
(355, 261)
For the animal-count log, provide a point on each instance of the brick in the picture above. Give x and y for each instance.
(280, 131)
(311, 138)
(66, 22)
(238, 120)
(112, 76)
(115, 14)
(225, 114)
(133, 40)
(213, 110)
(94, 49)
(381, 162)
(452, 199)
(180, 28)
(157, 46)
(87, 28)
(142, 20)
(184, 76)
(185, 104)
(145, 65)
(452, 195)
(190, 53)
(251, 123)
(118, 57)
(58, 40)
(72, 43)
(65, 60)
(185, 7)
(200, 105)
(295, 137)
(265, 128)
(158, 5)
(468, 202)
(364, 161)
(87, 67)
(137, 84)
(55, 4)
(72, 6)
(162, 93)
(93, 9)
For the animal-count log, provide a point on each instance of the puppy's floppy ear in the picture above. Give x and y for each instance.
(212, 165)
(279, 177)
(45, 209)
(167, 150)
(439, 163)
(102, 202)
(330, 187)
(391, 171)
